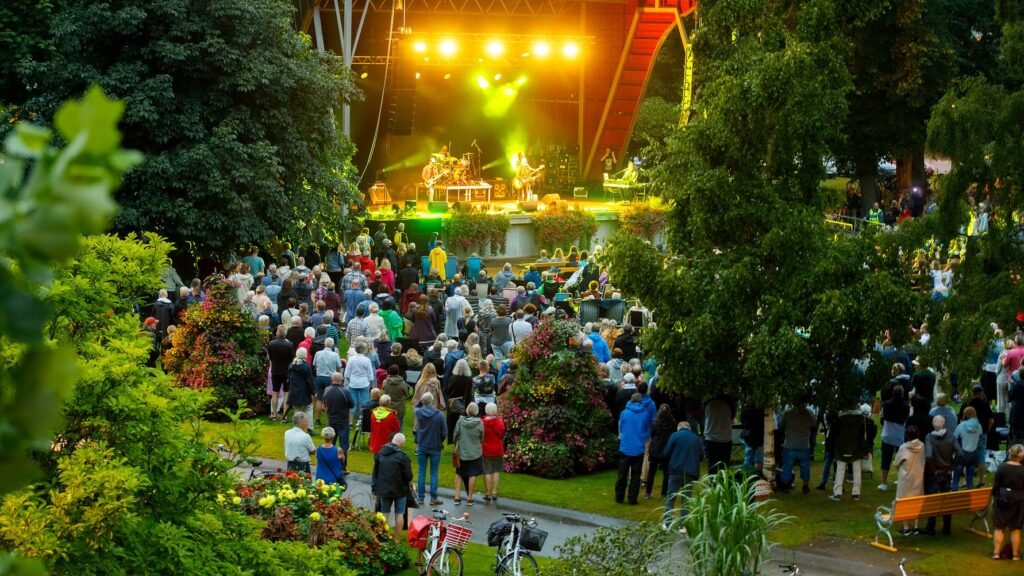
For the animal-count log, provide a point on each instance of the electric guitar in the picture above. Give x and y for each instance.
(519, 183)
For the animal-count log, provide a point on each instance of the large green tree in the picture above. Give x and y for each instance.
(979, 125)
(756, 296)
(233, 109)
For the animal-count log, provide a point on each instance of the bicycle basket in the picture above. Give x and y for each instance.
(419, 529)
(457, 536)
(533, 538)
(497, 532)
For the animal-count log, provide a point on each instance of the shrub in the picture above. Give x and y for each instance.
(220, 346)
(297, 509)
(644, 219)
(560, 226)
(558, 422)
(466, 229)
(641, 548)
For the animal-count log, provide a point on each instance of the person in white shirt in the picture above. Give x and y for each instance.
(375, 323)
(298, 446)
(359, 378)
(325, 363)
(520, 328)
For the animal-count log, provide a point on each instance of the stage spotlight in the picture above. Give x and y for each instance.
(495, 48)
(497, 76)
(571, 50)
(448, 47)
(520, 81)
(541, 49)
(448, 76)
(364, 75)
(417, 75)
(419, 46)
(482, 83)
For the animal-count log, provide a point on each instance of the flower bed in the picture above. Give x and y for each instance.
(298, 509)
(467, 229)
(559, 226)
(644, 219)
(558, 422)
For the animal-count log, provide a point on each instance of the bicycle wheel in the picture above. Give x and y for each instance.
(446, 562)
(521, 564)
(423, 557)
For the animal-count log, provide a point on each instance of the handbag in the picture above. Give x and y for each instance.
(456, 460)
(411, 499)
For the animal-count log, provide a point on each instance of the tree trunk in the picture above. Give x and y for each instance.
(904, 173)
(868, 190)
(917, 174)
(768, 468)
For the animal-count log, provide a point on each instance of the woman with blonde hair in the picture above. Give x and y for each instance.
(387, 275)
(428, 382)
(1003, 379)
(475, 357)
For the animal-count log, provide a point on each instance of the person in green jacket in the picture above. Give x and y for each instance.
(393, 321)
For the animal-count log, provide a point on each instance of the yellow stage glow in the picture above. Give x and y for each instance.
(417, 75)
(495, 48)
(541, 49)
(482, 83)
(448, 76)
(419, 46)
(571, 50)
(497, 76)
(448, 47)
(364, 75)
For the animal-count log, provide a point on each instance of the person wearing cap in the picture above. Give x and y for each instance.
(922, 382)
(149, 329)
(983, 411)
(850, 444)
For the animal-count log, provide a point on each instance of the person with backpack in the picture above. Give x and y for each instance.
(485, 388)
(850, 445)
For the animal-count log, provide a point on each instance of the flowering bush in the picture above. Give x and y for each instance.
(559, 226)
(557, 419)
(298, 509)
(644, 219)
(466, 229)
(218, 345)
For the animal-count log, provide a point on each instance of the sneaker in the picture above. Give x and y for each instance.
(436, 502)
(835, 498)
(907, 532)
(883, 487)
(806, 489)
(682, 531)
(856, 497)
(821, 486)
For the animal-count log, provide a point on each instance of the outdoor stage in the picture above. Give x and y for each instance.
(521, 240)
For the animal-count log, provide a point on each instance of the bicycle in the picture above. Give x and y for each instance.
(445, 541)
(791, 569)
(521, 538)
(903, 571)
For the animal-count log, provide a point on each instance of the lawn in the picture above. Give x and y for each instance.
(477, 560)
(814, 516)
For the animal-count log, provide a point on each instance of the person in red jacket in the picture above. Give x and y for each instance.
(384, 424)
(493, 450)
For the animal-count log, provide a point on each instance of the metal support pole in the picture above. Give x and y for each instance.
(345, 35)
(318, 28)
(581, 94)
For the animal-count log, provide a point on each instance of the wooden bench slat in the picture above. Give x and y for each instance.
(917, 507)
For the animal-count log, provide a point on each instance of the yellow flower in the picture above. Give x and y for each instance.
(320, 482)
(382, 518)
(267, 501)
(332, 500)
(300, 493)
(220, 498)
(236, 500)
(315, 516)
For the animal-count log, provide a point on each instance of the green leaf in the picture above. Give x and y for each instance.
(95, 116)
(28, 140)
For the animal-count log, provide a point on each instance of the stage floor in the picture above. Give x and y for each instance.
(510, 208)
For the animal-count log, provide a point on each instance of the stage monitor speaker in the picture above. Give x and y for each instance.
(529, 206)
(551, 199)
(379, 194)
(439, 207)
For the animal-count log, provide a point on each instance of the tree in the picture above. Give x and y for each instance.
(24, 36)
(755, 296)
(233, 109)
(979, 125)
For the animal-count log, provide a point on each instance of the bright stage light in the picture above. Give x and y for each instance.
(419, 46)
(520, 81)
(448, 76)
(482, 83)
(571, 50)
(497, 76)
(541, 49)
(417, 75)
(495, 48)
(364, 75)
(448, 47)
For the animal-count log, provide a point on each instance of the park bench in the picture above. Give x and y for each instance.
(920, 507)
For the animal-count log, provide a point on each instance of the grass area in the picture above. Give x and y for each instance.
(814, 516)
(477, 560)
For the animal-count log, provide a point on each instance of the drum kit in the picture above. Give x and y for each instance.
(444, 170)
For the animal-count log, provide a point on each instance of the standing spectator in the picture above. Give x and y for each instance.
(359, 377)
(330, 459)
(922, 382)
(942, 409)
(493, 450)
(627, 343)
(485, 388)
(501, 334)
(483, 324)
(718, 416)
(683, 453)
(383, 424)
(453, 310)
(634, 432)
(797, 424)
(664, 428)
(458, 386)
(1008, 501)
(431, 430)
(968, 440)
(910, 467)
(298, 446)
(438, 258)
(752, 422)
(850, 445)
(352, 298)
(428, 383)
(392, 473)
(983, 410)
(503, 277)
(600, 346)
(895, 412)
(301, 385)
(469, 438)
(520, 328)
(338, 404)
(326, 363)
(163, 311)
(281, 353)
(395, 387)
(939, 450)
(1016, 400)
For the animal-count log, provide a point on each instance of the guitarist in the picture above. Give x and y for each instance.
(523, 182)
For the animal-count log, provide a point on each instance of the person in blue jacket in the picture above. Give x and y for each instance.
(634, 432)
(683, 452)
(600, 346)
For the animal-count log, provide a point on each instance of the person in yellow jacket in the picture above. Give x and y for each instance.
(438, 258)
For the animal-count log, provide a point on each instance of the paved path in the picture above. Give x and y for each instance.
(561, 524)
